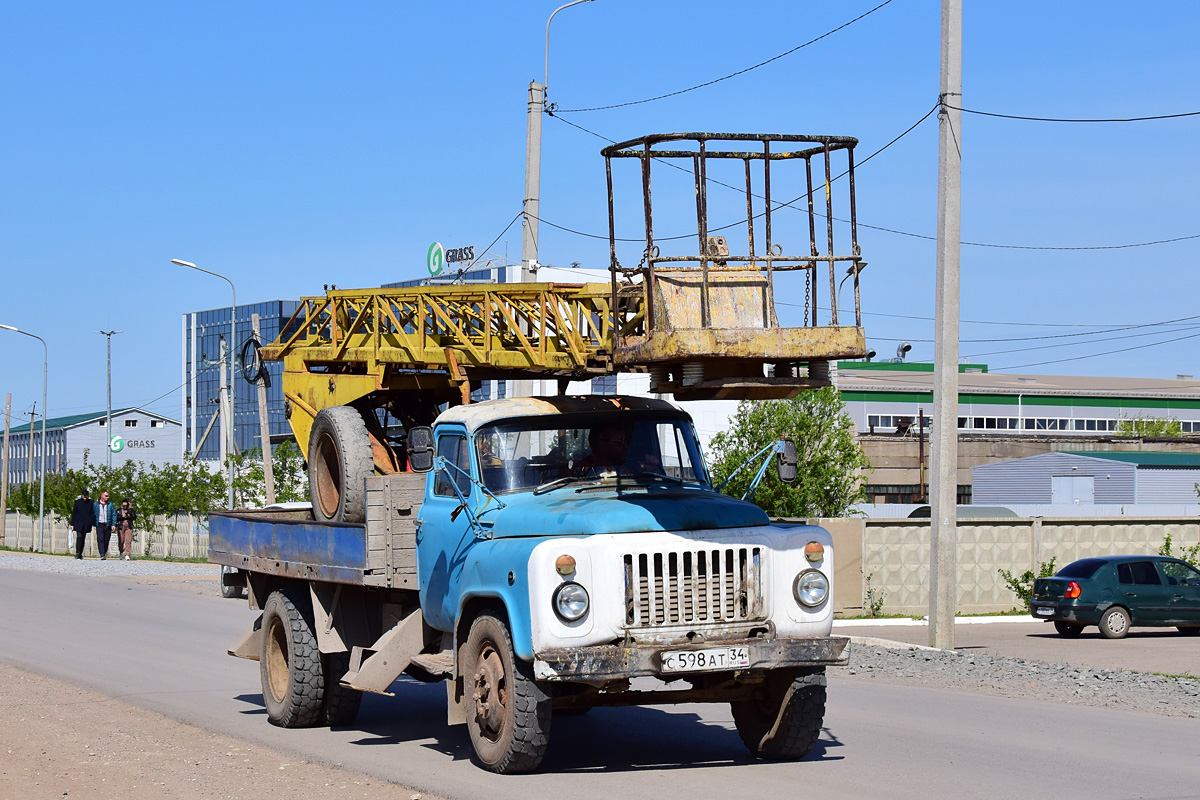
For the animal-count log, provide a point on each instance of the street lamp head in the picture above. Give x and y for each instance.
(855, 268)
(9, 328)
(181, 263)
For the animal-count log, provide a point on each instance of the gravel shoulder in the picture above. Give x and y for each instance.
(1029, 679)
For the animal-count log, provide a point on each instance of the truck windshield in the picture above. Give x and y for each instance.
(521, 455)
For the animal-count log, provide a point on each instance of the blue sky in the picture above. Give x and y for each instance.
(289, 145)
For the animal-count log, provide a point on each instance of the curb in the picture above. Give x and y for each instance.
(904, 622)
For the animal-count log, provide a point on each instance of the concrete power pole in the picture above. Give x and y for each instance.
(108, 413)
(943, 531)
(533, 180)
(4, 467)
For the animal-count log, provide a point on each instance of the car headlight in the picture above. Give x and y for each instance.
(811, 588)
(570, 601)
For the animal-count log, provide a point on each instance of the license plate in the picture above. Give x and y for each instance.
(710, 658)
(1045, 611)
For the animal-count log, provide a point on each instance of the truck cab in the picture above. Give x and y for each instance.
(587, 530)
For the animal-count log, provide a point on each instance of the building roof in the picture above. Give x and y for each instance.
(1142, 458)
(918, 380)
(73, 420)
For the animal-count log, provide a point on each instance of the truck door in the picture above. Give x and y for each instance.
(442, 542)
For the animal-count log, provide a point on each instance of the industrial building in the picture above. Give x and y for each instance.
(137, 435)
(1089, 478)
(1002, 417)
(205, 372)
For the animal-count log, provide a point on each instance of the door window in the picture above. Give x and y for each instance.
(454, 449)
(1179, 574)
(1138, 573)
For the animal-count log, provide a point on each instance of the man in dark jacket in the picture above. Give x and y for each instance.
(83, 517)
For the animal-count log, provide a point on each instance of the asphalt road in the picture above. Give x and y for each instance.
(164, 649)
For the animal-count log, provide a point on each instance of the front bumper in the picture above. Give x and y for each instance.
(605, 662)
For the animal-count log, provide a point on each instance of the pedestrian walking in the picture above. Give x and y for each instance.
(125, 518)
(83, 517)
(106, 518)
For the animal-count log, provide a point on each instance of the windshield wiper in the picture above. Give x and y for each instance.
(559, 482)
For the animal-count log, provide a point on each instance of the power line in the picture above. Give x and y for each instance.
(1097, 355)
(925, 237)
(1061, 119)
(730, 75)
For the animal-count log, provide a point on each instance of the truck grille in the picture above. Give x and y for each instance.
(712, 585)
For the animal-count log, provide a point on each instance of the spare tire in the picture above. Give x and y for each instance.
(339, 461)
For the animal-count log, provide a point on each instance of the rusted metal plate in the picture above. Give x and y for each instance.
(621, 661)
(773, 344)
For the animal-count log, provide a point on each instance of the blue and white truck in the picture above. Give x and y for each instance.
(545, 555)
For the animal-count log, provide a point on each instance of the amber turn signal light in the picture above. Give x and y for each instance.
(814, 552)
(564, 565)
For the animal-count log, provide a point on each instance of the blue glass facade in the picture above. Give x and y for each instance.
(203, 333)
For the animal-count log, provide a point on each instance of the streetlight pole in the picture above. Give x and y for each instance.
(108, 409)
(229, 434)
(535, 105)
(42, 478)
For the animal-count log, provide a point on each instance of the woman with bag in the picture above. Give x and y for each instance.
(125, 518)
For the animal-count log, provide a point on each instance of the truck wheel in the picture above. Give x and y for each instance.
(508, 712)
(1068, 629)
(227, 591)
(1114, 623)
(339, 461)
(799, 714)
(293, 680)
(341, 704)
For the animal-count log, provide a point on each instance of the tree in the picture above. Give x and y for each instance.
(1149, 427)
(830, 476)
(290, 472)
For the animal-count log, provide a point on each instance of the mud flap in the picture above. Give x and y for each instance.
(250, 645)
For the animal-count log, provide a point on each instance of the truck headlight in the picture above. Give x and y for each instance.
(570, 601)
(811, 588)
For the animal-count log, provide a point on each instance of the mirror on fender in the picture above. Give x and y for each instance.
(420, 448)
(786, 461)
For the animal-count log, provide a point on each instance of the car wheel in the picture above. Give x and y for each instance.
(1114, 623)
(1068, 629)
(1186, 631)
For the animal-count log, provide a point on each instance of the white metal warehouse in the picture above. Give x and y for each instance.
(1086, 478)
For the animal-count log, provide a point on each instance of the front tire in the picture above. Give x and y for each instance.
(293, 679)
(1068, 629)
(508, 712)
(339, 462)
(798, 703)
(1114, 623)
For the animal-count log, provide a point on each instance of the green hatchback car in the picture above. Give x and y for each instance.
(1119, 592)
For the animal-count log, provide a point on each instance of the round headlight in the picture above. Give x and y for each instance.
(570, 601)
(811, 588)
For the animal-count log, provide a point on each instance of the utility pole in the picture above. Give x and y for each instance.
(943, 529)
(264, 424)
(4, 468)
(226, 440)
(108, 413)
(533, 180)
(32, 422)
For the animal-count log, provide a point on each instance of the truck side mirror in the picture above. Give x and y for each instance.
(786, 463)
(420, 448)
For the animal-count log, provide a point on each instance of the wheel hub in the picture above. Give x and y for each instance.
(490, 693)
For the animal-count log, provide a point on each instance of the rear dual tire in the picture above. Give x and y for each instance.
(300, 685)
